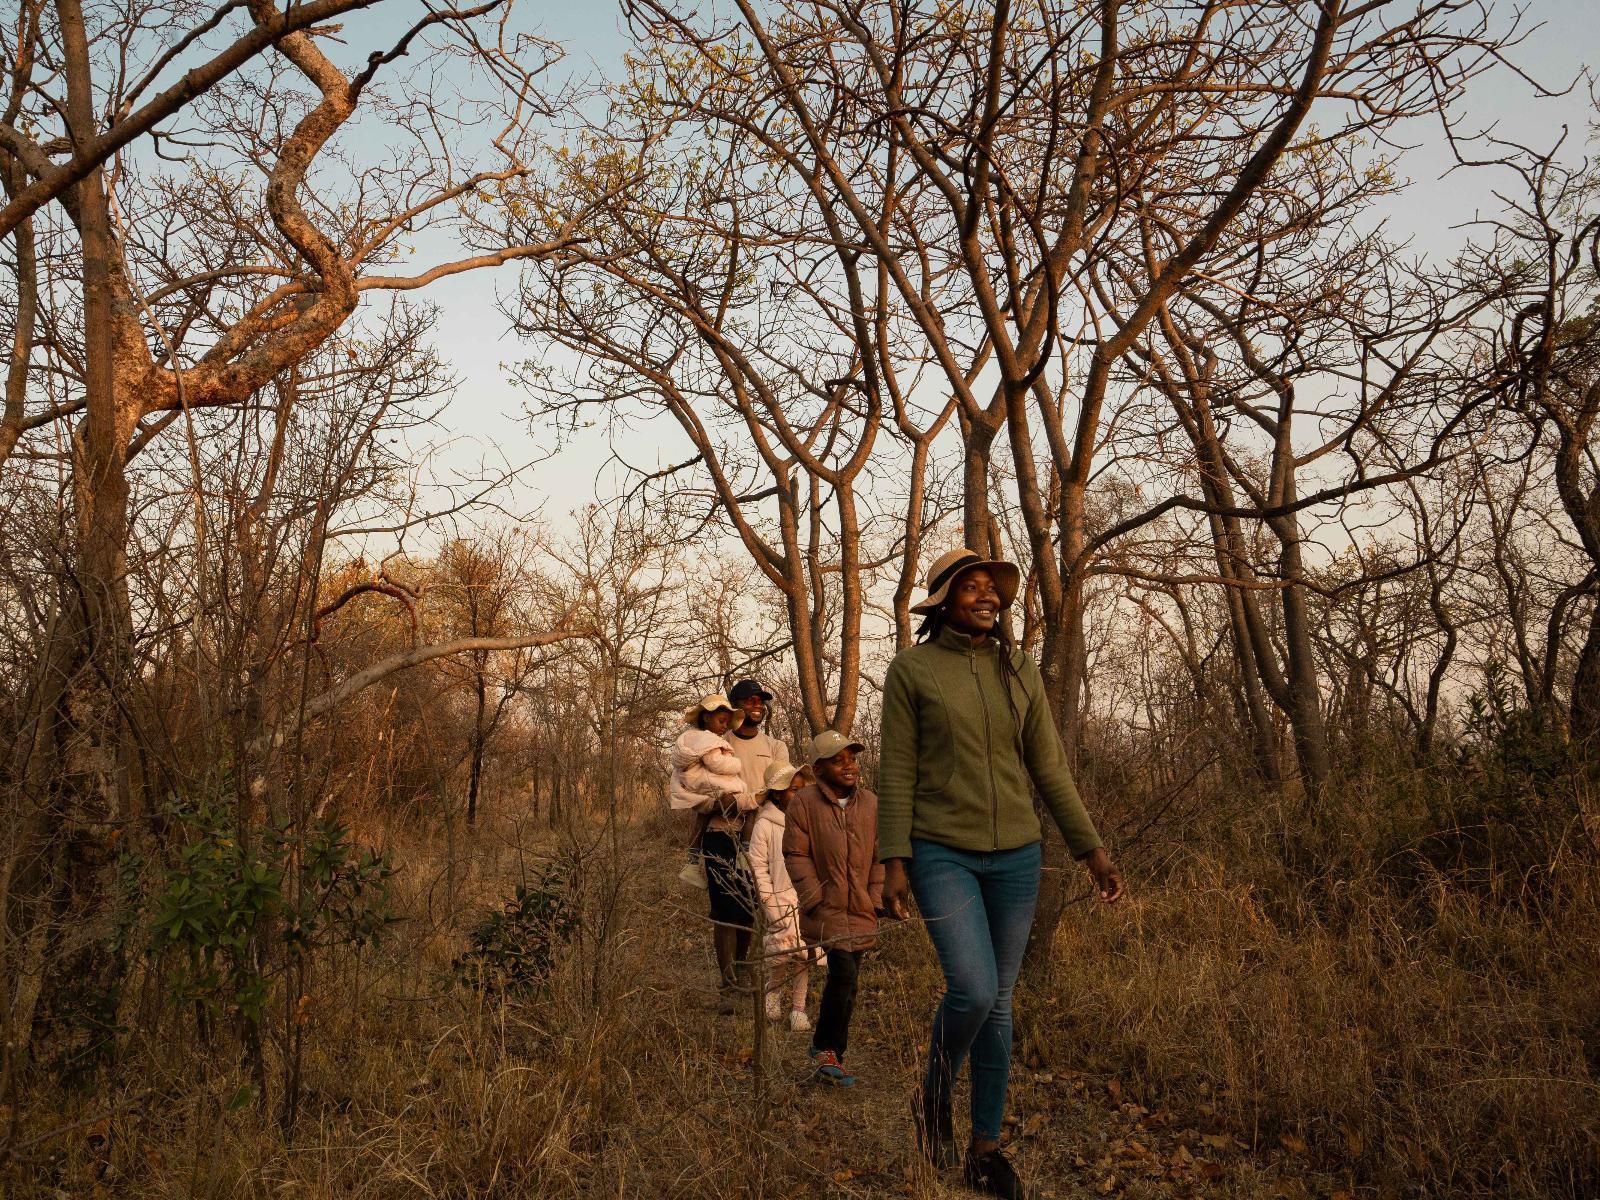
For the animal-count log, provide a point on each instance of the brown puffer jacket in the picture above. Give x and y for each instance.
(832, 856)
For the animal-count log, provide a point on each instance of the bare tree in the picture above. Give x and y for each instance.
(475, 586)
(149, 295)
(720, 293)
(1026, 180)
(1540, 266)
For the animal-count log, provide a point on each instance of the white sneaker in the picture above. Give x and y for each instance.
(798, 1021)
(774, 1007)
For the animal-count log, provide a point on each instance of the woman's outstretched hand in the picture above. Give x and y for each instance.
(1106, 876)
(896, 887)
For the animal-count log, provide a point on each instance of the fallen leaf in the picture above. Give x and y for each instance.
(1114, 1086)
(1293, 1144)
(1209, 1170)
(1032, 1126)
(1353, 1141)
(1219, 1141)
(1107, 1185)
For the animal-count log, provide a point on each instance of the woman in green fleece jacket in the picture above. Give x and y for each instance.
(967, 739)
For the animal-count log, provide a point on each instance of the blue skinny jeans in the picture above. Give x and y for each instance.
(979, 908)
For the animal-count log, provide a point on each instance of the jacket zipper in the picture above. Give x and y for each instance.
(843, 815)
(988, 753)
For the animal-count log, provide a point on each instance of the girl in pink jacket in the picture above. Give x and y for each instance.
(787, 955)
(704, 771)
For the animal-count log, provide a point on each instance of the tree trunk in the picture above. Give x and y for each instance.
(1063, 661)
(1305, 694)
(1584, 712)
(91, 658)
(475, 774)
(977, 451)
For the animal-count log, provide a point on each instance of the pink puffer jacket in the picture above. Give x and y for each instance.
(772, 874)
(703, 771)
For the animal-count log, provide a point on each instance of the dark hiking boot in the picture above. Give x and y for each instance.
(990, 1172)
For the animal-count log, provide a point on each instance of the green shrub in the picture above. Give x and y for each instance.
(227, 915)
(514, 947)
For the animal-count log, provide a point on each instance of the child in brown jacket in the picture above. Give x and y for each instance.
(830, 844)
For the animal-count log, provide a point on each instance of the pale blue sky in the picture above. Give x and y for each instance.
(1430, 215)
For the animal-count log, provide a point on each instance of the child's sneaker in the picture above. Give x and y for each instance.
(774, 1007)
(798, 1021)
(830, 1071)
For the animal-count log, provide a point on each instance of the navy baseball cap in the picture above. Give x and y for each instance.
(745, 688)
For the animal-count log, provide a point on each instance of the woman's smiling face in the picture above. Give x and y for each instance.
(973, 605)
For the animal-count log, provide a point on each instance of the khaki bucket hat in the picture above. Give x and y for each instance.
(945, 569)
(691, 715)
(778, 776)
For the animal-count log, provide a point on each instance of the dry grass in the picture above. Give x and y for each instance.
(1437, 1046)
(1452, 1061)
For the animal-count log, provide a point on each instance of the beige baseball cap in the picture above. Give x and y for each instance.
(829, 742)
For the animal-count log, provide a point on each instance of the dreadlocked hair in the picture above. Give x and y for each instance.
(934, 623)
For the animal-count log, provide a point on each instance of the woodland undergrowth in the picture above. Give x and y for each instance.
(1397, 1004)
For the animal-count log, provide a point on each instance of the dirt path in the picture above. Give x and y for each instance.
(1072, 1134)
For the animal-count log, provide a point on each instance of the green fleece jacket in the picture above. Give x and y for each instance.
(955, 767)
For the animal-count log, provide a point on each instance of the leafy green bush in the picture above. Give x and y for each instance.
(514, 947)
(223, 907)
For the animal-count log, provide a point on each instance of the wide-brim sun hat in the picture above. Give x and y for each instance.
(947, 568)
(711, 703)
(829, 742)
(778, 776)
